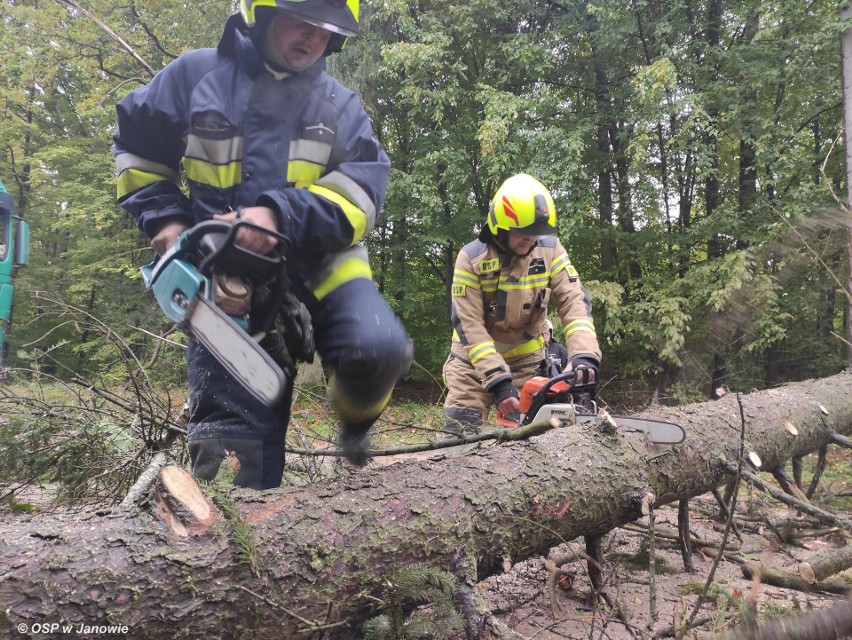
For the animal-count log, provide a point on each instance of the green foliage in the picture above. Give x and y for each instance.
(690, 157)
(89, 438)
(728, 605)
(219, 491)
(833, 491)
(85, 449)
(687, 393)
(418, 603)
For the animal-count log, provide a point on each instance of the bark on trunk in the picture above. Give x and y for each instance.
(825, 624)
(321, 554)
(787, 580)
(825, 564)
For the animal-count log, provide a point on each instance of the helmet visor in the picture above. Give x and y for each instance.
(537, 228)
(337, 16)
(323, 24)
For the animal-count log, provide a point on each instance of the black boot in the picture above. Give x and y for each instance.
(355, 441)
(460, 422)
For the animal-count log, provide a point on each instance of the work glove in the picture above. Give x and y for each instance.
(508, 408)
(291, 339)
(585, 371)
(277, 312)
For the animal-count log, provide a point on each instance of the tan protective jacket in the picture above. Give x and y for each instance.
(499, 306)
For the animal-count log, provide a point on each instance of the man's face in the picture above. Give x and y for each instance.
(520, 244)
(299, 43)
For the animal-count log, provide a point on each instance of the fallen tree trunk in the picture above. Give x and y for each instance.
(787, 580)
(832, 623)
(825, 564)
(319, 557)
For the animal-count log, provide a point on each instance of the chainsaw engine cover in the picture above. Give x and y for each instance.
(559, 392)
(565, 413)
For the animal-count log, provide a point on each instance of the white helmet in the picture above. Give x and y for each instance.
(549, 325)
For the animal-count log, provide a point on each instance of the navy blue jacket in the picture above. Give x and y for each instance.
(239, 134)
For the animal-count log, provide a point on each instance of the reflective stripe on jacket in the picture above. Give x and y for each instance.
(499, 306)
(241, 134)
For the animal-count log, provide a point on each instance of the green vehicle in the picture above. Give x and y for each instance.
(14, 254)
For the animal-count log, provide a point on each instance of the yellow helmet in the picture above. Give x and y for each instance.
(338, 16)
(524, 205)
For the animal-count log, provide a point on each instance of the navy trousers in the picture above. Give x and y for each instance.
(357, 335)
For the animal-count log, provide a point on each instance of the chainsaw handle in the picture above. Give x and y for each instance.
(194, 234)
(225, 251)
(565, 376)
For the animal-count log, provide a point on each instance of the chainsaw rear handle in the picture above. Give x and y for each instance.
(193, 234)
(215, 243)
(565, 376)
(219, 248)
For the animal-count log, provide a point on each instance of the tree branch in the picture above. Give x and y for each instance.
(112, 34)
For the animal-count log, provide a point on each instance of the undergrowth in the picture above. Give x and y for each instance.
(417, 602)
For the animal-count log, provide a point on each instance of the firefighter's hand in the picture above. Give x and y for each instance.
(509, 411)
(585, 371)
(250, 239)
(166, 236)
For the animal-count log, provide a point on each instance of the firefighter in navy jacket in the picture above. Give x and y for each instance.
(502, 286)
(256, 126)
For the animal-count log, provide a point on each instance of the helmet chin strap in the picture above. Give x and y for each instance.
(501, 240)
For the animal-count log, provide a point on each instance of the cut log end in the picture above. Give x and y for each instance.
(182, 505)
(807, 573)
(791, 428)
(754, 459)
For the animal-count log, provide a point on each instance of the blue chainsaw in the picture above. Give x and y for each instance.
(183, 281)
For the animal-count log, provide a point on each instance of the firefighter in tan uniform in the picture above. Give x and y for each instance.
(502, 286)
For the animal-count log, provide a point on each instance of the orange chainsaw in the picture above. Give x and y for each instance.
(544, 397)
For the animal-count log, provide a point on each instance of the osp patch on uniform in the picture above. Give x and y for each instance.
(572, 272)
(489, 266)
(459, 290)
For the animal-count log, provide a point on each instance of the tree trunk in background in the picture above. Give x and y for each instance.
(718, 375)
(846, 51)
(399, 241)
(625, 208)
(827, 310)
(747, 192)
(747, 179)
(609, 247)
(712, 198)
(774, 366)
(720, 332)
(323, 552)
(449, 251)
